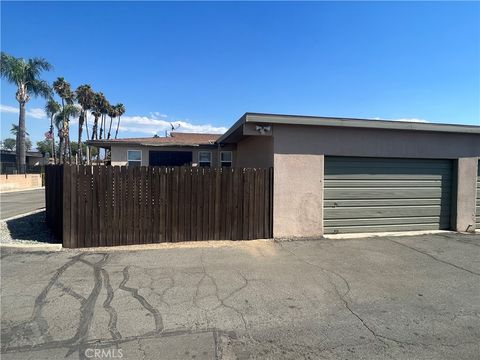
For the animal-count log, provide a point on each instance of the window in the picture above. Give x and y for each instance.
(226, 158)
(204, 158)
(134, 157)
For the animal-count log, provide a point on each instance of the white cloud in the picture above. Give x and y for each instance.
(153, 125)
(36, 113)
(404, 120)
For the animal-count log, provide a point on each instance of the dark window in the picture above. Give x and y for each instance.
(226, 158)
(170, 158)
(204, 158)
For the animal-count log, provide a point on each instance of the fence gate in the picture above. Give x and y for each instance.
(112, 205)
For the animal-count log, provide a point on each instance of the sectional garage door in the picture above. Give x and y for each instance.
(380, 194)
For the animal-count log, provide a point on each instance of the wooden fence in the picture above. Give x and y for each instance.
(111, 205)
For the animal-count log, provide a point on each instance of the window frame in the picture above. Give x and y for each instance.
(206, 152)
(134, 161)
(230, 162)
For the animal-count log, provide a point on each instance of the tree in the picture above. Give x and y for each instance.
(96, 112)
(75, 149)
(85, 97)
(28, 143)
(45, 146)
(64, 91)
(9, 144)
(61, 118)
(120, 110)
(25, 74)
(112, 113)
(52, 108)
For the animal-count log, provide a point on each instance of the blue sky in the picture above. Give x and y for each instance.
(205, 64)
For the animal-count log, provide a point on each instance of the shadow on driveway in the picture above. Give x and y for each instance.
(29, 228)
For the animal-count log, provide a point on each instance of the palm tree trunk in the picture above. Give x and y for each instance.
(61, 145)
(110, 128)
(88, 137)
(80, 128)
(21, 151)
(118, 126)
(54, 155)
(94, 129)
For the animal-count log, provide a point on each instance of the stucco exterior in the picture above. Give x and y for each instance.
(298, 153)
(466, 194)
(119, 152)
(255, 151)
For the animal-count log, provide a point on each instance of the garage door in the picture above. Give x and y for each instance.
(380, 194)
(478, 198)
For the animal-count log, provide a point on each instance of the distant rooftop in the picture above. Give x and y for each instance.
(175, 139)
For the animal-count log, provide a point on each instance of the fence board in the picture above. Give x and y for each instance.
(106, 206)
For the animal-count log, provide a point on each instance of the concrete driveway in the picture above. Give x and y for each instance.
(375, 298)
(20, 202)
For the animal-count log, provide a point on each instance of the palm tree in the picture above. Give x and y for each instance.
(96, 112)
(52, 108)
(104, 106)
(120, 110)
(112, 113)
(64, 90)
(63, 117)
(85, 97)
(25, 74)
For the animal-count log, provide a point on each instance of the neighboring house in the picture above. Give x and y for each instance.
(340, 175)
(178, 149)
(8, 160)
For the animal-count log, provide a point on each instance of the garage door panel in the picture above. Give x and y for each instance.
(389, 221)
(385, 176)
(382, 212)
(383, 228)
(388, 183)
(382, 202)
(392, 193)
(372, 194)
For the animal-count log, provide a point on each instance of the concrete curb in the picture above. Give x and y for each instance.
(33, 247)
(24, 214)
(21, 190)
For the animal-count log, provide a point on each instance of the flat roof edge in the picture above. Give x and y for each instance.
(359, 123)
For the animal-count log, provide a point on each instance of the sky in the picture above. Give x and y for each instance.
(202, 65)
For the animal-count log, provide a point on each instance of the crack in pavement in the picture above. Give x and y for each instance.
(112, 323)
(156, 314)
(434, 258)
(68, 290)
(380, 337)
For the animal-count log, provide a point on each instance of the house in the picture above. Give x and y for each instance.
(340, 175)
(178, 149)
(8, 160)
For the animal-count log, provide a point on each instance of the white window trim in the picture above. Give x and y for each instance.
(231, 157)
(141, 156)
(207, 152)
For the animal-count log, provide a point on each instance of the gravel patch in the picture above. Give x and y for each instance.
(26, 230)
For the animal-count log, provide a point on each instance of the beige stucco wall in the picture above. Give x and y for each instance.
(119, 153)
(299, 157)
(375, 142)
(20, 182)
(466, 194)
(297, 195)
(255, 151)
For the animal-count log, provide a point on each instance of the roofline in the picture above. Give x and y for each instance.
(309, 120)
(102, 143)
(232, 128)
(359, 123)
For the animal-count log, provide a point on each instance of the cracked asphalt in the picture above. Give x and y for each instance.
(415, 297)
